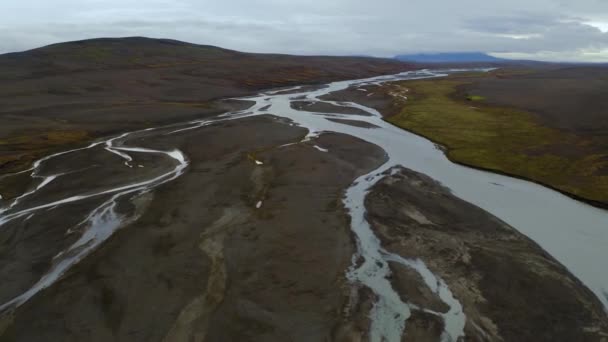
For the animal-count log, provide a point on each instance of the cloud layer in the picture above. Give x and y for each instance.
(544, 29)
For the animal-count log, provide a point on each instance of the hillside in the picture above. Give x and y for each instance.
(69, 92)
(139, 53)
(128, 69)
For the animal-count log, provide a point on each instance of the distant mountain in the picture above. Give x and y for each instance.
(154, 59)
(450, 57)
(109, 71)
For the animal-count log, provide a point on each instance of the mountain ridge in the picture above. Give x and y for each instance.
(450, 57)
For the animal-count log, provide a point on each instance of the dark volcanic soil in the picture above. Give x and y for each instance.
(103, 86)
(509, 287)
(204, 263)
(571, 99)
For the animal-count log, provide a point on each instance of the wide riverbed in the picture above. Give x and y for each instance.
(574, 233)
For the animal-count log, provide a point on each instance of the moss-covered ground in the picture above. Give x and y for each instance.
(18, 152)
(505, 140)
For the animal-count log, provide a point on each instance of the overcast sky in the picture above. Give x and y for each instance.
(569, 30)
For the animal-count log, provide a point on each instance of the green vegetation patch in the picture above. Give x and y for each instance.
(504, 140)
(475, 98)
(18, 152)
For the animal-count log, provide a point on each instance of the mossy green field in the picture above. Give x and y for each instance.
(501, 139)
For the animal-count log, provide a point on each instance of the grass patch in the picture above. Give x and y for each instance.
(505, 140)
(18, 152)
(475, 98)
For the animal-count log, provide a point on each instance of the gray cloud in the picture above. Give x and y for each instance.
(520, 24)
(548, 29)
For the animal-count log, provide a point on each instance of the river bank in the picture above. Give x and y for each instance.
(505, 282)
(487, 121)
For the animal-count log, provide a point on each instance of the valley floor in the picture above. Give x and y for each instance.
(253, 243)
